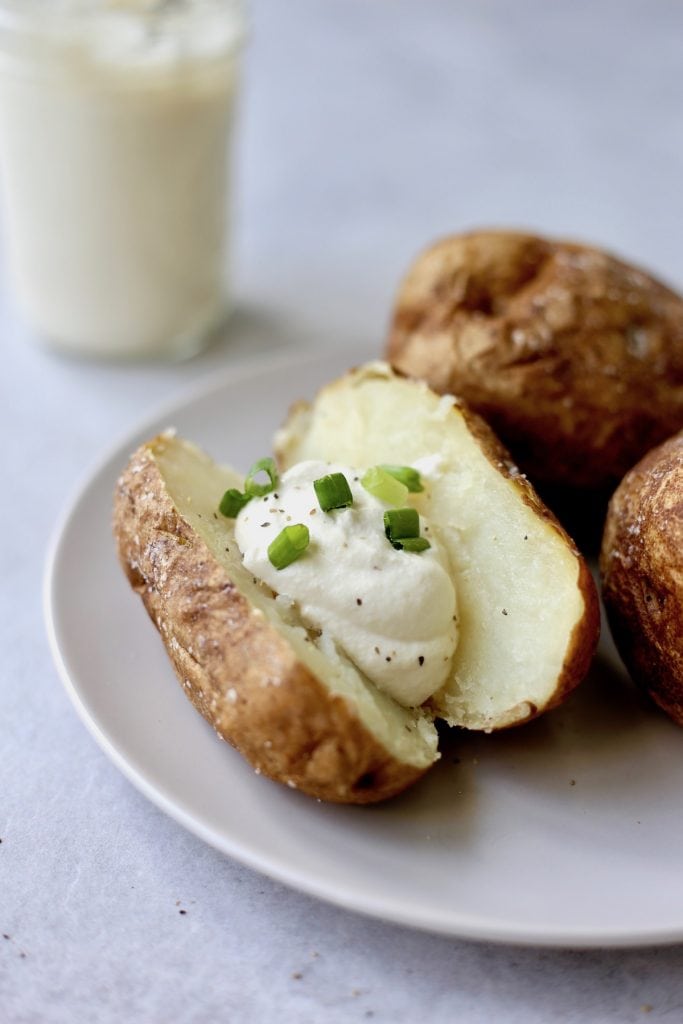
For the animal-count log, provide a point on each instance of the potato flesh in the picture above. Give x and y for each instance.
(195, 485)
(516, 578)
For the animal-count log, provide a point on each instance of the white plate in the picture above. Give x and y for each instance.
(565, 832)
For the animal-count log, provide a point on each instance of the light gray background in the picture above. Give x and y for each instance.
(368, 127)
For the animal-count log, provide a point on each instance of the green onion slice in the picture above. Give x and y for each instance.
(289, 545)
(232, 503)
(333, 491)
(401, 523)
(384, 486)
(412, 544)
(256, 490)
(408, 476)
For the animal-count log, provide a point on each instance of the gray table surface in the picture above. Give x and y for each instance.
(367, 129)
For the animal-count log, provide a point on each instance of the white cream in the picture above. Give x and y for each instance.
(393, 613)
(115, 125)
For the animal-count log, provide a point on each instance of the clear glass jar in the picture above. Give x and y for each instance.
(115, 124)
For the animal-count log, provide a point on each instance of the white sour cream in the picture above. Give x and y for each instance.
(393, 613)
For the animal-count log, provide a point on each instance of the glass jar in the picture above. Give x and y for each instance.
(115, 124)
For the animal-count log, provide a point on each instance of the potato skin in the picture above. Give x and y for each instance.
(642, 574)
(281, 718)
(574, 357)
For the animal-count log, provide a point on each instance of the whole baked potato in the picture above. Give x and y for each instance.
(574, 357)
(642, 574)
(285, 688)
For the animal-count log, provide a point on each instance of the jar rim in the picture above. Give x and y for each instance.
(151, 37)
(45, 18)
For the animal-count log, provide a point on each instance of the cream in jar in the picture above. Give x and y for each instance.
(115, 126)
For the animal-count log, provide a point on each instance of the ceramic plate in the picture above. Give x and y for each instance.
(567, 831)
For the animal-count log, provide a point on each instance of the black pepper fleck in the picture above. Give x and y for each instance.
(276, 496)
(387, 658)
(505, 611)
(264, 524)
(376, 650)
(182, 911)
(526, 537)
(215, 516)
(421, 660)
(359, 601)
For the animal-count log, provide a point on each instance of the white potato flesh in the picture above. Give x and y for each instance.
(516, 577)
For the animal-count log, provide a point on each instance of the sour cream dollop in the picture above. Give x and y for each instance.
(393, 613)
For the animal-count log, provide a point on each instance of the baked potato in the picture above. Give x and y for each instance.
(286, 694)
(574, 357)
(641, 565)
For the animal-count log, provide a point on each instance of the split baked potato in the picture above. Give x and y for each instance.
(642, 574)
(574, 357)
(288, 698)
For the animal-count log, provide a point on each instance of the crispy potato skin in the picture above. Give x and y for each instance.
(281, 718)
(583, 642)
(574, 357)
(642, 574)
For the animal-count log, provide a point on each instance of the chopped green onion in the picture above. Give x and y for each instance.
(232, 503)
(289, 545)
(402, 527)
(400, 523)
(256, 490)
(407, 475)
(384, 486)
(412, 544)
(333, 491)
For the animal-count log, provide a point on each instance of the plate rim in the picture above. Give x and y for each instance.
(460, 926)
